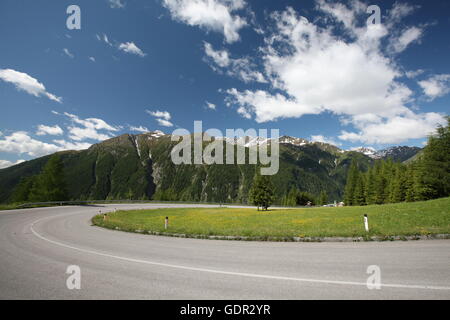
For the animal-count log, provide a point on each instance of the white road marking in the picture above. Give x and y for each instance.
(241, 274)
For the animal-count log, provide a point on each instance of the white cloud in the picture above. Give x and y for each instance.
(242, 68)
(220, 58)
(210, 105)
(313, 68)
(164, 123)
(214, 15)
(436, 86)
(399, 11)
(68, 53)
(92, 59)
(323, 139)
(104, 38)
(162, 117)
(68, 145)
(20, 142)
(5, 163)
(116, 4)
(159, 114)
(89, 128)
(395, 129)
(130, 47)
(139, 129)
(44, 130)
(414, 73)
(267, 107)
(24, 82)
(410, 35)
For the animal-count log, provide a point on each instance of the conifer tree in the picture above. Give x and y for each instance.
(359, 195)
(398, 189)
(323, 198)
(22, 192)
(370, 186)
(434, 166)
(352, 178)
(50, 184)
(262, 192)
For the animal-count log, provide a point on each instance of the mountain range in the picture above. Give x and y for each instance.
(140, 167)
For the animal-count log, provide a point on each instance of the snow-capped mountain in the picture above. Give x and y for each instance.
(398, 153)
(368, 151)
(293, 140)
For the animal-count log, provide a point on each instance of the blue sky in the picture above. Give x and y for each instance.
(313, 69)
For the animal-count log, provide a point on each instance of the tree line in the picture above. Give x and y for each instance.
(426, 177)
(49, 185)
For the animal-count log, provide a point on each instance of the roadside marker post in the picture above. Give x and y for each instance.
(166, 223)
(366, 222)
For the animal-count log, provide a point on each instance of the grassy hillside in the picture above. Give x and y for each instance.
(419, 218)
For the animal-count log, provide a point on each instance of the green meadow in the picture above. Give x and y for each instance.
(400, 219)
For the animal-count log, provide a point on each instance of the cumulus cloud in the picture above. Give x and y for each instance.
(139, 129)
(130, 47)
(162, 117)
(69, 145)
(25, 82)
(5, 163)
(335, 64)
(395, 129)
(89, 128)
(49, 130)
(267, 107)
(436, 86)
(323, 139)
(214, 15)
(241, 68)
(20, 142)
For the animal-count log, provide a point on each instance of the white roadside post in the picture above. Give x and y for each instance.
(166, 223)
(366, 222)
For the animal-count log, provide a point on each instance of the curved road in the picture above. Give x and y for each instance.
(37, 246)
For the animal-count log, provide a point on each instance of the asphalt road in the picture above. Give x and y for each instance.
(37, 246)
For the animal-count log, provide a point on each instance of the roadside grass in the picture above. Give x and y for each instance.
(400, 219)
(8, 206)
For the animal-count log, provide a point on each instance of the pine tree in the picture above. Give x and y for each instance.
(380, 183)
(359, 195)
(410, 195)
(370, 186)
(352, 178)
(399, 186)
(50, 184)
(434, 166)
(323, 198)
(262, 192)
(22, 192)
(292, 197)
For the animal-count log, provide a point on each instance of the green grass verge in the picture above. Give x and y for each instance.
(402, 219)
